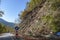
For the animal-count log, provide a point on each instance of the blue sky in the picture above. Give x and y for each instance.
(12, 8)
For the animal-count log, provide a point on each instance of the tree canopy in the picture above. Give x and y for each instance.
(30, 6)
(1, 13)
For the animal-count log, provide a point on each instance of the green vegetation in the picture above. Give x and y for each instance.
(47, 21)
(4, 29)
(1, 13)
(57, 21)
(56, 4)
(30, 6)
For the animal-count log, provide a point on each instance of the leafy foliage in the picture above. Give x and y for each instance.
(23, 14)
(56, 4)
(49, 22)
(4, 29)
(30, 6)
(1, 13)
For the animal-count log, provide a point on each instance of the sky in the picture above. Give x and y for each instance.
(12, 8)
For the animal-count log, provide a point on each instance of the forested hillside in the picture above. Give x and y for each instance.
(5, 29)
(41, 17)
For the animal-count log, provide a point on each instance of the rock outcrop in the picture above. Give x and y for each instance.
(44, 19)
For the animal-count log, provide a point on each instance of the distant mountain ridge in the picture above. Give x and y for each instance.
(6, 23)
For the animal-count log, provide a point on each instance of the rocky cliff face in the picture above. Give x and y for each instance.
(43, 19)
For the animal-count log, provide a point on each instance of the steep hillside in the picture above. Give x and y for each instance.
(42, 19)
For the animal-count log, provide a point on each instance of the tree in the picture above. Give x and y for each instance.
(30, 6)
(1, 13)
